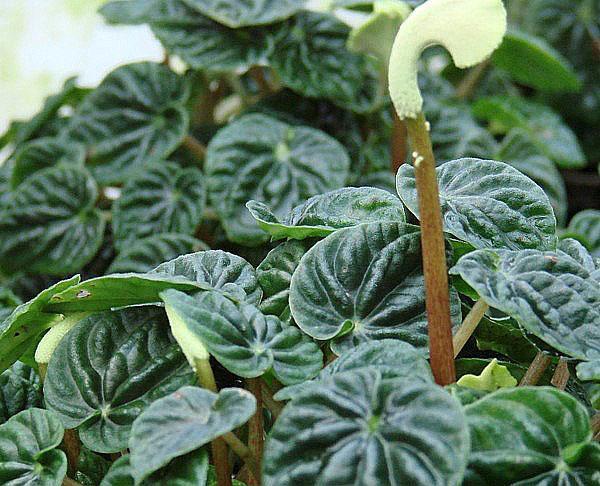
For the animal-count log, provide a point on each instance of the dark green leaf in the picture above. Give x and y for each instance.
(8, 302)
(183, 422)
(487, 204)
(531, 435)
(244, 340)
(28, 449)
(360, 429)
(20, 389)
(578, 252)
(321, 215)
(586, 225)
(51, 225)
(108, 369)
(504, 336)
(135, 117)
(163, 199)
(257, 157)
(364, 283)
(145, 254)
(91, 468)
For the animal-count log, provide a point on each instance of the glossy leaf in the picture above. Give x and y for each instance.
(43, 153)
(311, 58)
(257, 157)
(145, 254)
(364, 283)
(108, 369)
(487, 204)
(135, 117)
(243, 339)
(29, 449)
(543, 126)
(392, 358)
(188, 470)
(530, 60)
(163, 199)
(360, 429)
(548, 293)
(586, 225)
(321, 215)
(235, 14)
(183, 422)
(531, 435)
(20, 389)
(50, 225)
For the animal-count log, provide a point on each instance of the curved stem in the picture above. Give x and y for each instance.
(468, 326)
(243, 452)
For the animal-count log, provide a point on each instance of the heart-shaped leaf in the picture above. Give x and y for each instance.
(136, 116)
(108, 369)
(183, 422)
(163, 199)
(28, 449)
(487, 204)
(50, 225)
(258, 157)
(364, 283)
(586, 225)
(23, 326)
(145, 254)
(188, 470)
(543, 126)
(43, 153)
(322, 214)
(392, 358)
(312, 59)
(360, 429)
(531, 435)
(243, 339)
(235, 14)
(548, 293)
(20, 390)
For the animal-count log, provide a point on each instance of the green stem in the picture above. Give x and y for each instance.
(218, 446)
(536, 369)
(468, 326)
(243, 452)
(434, 253)
(256, 426)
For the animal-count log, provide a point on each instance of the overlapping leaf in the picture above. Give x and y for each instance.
(108, 369)
(586, 225)
(487, 204)
(50, 225)
(364, 283)
(183, 422)
(321, 215)
(163, 199)
(20, 390)
(136, 116)
(243, 339)
(258, 157)
(358, 428)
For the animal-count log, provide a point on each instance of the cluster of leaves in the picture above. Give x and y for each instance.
(242, 212)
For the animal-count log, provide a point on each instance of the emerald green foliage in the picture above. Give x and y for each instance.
(20, 389)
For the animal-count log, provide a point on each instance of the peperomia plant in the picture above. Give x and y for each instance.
(307, 249)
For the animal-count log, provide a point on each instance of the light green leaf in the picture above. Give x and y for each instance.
(51, 225)
(531, 435)
(45, 348)
(531, 61)
(163, 199)
(543, 126)
(321, 215)
(261, 158)
(108, 369)
(392, 358)
(43, 153)
(311, 58)
(487, 204)
(135, 117)
(244, 340)
(586, 225)
(235, 14)
(364, 283)
(28, 449)
(189, 470)
(493, 377)
(145, 254)
(183, 422)
(20, 389)
(548, 293)
(360, 429)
